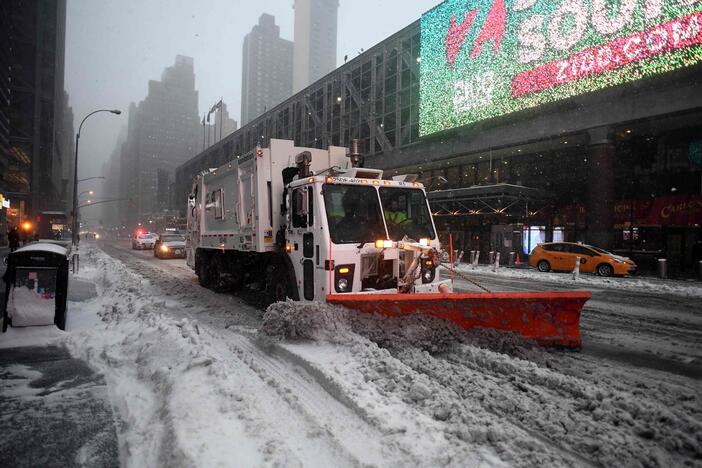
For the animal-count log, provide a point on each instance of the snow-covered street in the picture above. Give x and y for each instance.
(204, 379)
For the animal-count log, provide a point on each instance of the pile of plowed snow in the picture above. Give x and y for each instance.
(324, 322)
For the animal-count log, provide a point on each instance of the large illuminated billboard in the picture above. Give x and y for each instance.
(486, 58)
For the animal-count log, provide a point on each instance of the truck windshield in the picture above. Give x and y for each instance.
(354, 214)
(406, 213)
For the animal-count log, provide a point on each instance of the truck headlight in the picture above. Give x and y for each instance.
(428, 270)
(343, 278)
(342, 285)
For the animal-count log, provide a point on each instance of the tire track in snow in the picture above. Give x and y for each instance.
(333, 416)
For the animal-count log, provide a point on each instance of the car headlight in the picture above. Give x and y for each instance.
(164, 248)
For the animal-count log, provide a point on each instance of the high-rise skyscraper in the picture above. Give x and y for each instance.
(315, 41)
(32, 108)
(164, 132)
(267, 69)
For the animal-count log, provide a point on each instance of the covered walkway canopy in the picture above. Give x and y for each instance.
(499, 199)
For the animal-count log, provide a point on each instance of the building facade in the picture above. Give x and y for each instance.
(163, 131)
(315, 41)
(615, 163)
(33, 106)
(266, 69)
(5, 61)
(110, 188)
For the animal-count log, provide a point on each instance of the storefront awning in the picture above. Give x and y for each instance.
(499, 199)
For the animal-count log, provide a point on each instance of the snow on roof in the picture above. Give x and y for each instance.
(44, 247)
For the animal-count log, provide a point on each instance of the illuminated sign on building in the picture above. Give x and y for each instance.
(486, 58)
(4, 202)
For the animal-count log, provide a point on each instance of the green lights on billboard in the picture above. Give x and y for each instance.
(486, 58)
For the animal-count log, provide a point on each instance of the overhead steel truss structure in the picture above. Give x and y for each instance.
(500, 199)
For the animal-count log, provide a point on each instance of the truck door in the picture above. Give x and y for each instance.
(302, 214)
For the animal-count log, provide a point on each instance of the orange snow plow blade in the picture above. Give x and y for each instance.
(549, 318)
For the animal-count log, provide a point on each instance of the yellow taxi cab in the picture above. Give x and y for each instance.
(560, 256)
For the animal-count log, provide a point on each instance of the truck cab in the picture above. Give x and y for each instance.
(354, 232)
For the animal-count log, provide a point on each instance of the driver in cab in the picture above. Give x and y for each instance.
(395, 217)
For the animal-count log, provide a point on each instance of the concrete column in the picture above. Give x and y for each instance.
(600, 196)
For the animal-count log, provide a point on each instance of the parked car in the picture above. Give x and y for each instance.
(170, 245)
(143, 241)
(560, 256)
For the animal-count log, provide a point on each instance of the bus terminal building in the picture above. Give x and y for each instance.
(528, 121)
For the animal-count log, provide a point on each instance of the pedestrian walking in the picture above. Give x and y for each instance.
(13, 238)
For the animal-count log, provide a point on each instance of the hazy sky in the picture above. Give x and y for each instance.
(114, 47)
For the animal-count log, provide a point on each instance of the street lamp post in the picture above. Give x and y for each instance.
(75, 173)
(91, 178)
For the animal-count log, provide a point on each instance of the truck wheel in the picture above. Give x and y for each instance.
(217, 281)
(203, 276)
(276, 283)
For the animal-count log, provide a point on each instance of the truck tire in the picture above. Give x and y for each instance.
(203, 270)
(217, 281)
(277, 284)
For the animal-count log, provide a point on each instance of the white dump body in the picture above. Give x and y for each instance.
(237, 206)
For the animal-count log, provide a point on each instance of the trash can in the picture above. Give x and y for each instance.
(36, 286)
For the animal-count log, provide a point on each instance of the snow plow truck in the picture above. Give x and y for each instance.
(316, 225)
